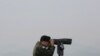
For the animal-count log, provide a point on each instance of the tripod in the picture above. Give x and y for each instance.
(60, 49)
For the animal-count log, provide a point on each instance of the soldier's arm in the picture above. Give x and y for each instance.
(36, 50)
(39, 51)
(51, 50)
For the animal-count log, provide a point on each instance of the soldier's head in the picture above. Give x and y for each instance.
(45, 40)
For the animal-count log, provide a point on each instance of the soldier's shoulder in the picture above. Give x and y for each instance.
(38, 44)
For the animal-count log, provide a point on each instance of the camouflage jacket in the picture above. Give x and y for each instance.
(39, 50)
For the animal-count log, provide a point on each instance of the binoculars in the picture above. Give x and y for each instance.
(62, 41)
(60, 44)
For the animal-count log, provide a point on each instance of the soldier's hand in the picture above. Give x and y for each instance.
(52, 42)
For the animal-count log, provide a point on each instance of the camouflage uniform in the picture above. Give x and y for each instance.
(39, 50)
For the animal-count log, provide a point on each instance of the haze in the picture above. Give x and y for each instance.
(23, 22)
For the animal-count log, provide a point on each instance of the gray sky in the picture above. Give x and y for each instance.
(22, 22)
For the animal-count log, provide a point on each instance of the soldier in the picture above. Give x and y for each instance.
(44, 47)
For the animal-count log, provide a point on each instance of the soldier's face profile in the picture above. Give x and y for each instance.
(45, 43)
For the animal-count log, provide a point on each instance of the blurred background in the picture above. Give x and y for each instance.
(23, 22)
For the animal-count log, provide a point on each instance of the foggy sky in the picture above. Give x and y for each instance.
(23, 22)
